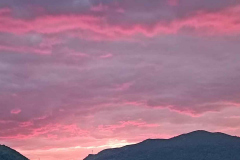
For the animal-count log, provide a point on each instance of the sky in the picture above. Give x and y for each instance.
(79, 76)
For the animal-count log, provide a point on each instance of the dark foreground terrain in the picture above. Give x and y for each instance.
(198, 145)
(7, 153)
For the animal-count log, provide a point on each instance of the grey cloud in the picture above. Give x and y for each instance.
(183, 73)
(135, 11)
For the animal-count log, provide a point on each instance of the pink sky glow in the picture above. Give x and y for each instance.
(79, 76)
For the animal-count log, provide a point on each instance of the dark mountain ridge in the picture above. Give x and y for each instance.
(6, 153)
(197, 145)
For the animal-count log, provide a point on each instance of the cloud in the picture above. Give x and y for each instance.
(172, 74)
(106, 55)
(152, 19)
(91, 71)
(16, 111)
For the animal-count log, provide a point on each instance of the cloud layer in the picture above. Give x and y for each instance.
(94, 73)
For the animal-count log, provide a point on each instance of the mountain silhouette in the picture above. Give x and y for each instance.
(7, 153)
(197, 145)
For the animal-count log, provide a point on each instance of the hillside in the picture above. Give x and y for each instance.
(197, 145)
(7, 153)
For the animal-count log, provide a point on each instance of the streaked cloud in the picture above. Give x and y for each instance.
(94, 73)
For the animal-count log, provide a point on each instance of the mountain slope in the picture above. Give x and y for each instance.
(7, 153)
(197, 145)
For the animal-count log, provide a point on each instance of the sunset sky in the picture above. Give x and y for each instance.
(79, 76)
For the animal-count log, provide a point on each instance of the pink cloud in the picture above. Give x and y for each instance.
(25, 49)
(28, 130)
(16, 111)
(5, 11)
(26, 124)
(98, 73)
(124, 86)
(106, 55)
(99, 8)
(48, 24)
(222, 22)
(124, 124)
(173, 2)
